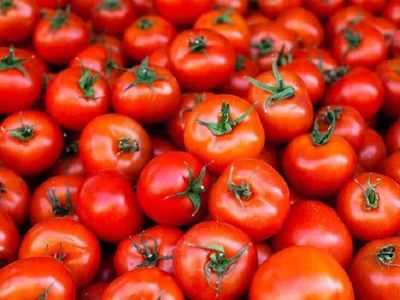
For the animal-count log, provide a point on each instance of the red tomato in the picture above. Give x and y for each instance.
(144, 6)
(386, 27)
(388, 72)
(318, 56)
(9, 241)
(392, 139)
(372, 150)
(160, 58)
(390, 166)
(107, 205)
(323, 8)
(94, 291)
(372, 6)
(82, 7)
(239, 5)
(106, 271)
(273, 8)
(392, 11)
(270, 156)
(255, 17)
(162, 145)
(214, 260)
(70, 162)
(51, 3)
(264, 251)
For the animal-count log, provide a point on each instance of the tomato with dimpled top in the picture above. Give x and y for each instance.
(389, 73)
(372, 150)
(273, 8)
(10, 240)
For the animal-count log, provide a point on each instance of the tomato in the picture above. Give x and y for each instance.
(388, 72)
(17, 20)
(372, 6)
(372, 150)
(264, 251)
(146, 284)
(255, 17)
(214, 260)
(94, 291)
(273, 8)
(111, 43)
(392, 139)
(270, 156)
(395, 45)
(51, 3)
(324, 9)
(370, 206)
(153, 247)
(107, 205)
(70, 163)
(10, 239)
(162, 145)
(301, 272)
(360, 88)
(223, 128)
(36, 278)
(391, 11)
(390, 166)
(172, 10)
(239, 5)
(115, 142)
(230, 24)
(55, 197)
(18, 72)
(160, 58)
(281, 98)
(318, 56)
(146, 35)
(374, 271)
(59, 36)
(318, 164)
(386, 27)
(69, 242)
(83, 7)
(30, 142)
(144, 6)
(14, 196)
(146, 93)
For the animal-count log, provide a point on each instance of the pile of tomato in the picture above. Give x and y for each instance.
(199, 149)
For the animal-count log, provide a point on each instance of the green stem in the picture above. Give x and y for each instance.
(10, 62)
(370, 195)
(318, 138)
(24, 133)
(6, 5)
(239, 63)
(198, 45)
(224, 18)
(242, 191)
(61, 18)
(265, 46)
(333, 75)
(45, 294)
(127, 144)
(150, 254)
(57, 208)
(386, 255)
(110, 5)
(144, 75)
(86, 82)
(145, 24)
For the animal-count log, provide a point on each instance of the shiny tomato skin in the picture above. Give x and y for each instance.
(317, 276)
(256, 17)
(373, 6)
(83, 7)
(386, 27)
(94, 291)
(10, 240)
(390, 166)
(273, 8)
(264, 251)
(240, 6)
(31, 277)
(318, 56)
(324, 9)
(372, 150)
(392, 138)
(388, 72)
(108, 198)
(392, 11)
(51, 3)
(162, 145)
(160, 58)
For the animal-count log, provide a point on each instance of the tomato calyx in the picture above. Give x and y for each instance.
(57, 208)
(128, 144)
(224, 18)
(370, 195)
(279, 92)
(265, 46)
(194, 189)
(218, 262)
(199, 44)
(86, 83)
(150, 254)
(61, 18)
(333, 75)
(242, 191)
(386, 255)
(239, 63)
(318, 138)
(6, 5)
(337, 111)
(144, 75)
(23, 133)
(284, 58)
(225, 125)
(145, 24)
(45, 294)
(71, 149)
(353, 39)
(110, 5)
(10, 62)
(59, 255)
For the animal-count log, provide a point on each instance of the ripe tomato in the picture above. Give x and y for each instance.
(386, 27)
(70, 162)
(60, 35)
(256, 17)
(273, 8)
(94, 291)
(252, 196)
(392, 11)
(51, 3)
(144, 6)
(115, 142)
(14, 196)
(69, 242)
(374, 271)
(173, 189)
(201, 59)
(146, 35)
(82, 7)
(372, 6)
(36, 278)
(223, 128)
(153, 247)
(239, 5)
(323, 8)
(108, 198)
(10, 240)
(372, 150)
(281, 98)
(161, 145)
(301, 273)
(55, 197)
(390, 166)
(160, 58)
(147, 94)
(388, 72)
(264, 251)
(30, 142)
(270, 156)
(392, 139)
(214, 260)
(318, 56)
(146, 284)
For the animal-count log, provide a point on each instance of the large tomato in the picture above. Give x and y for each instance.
(388, 72)
(390, 166)
(238, 5)
(372, 150)
(10, 239)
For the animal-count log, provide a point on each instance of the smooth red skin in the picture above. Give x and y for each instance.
(189, 261)
(176, 124)
(144, 6)
(390, 166)
(392, 11)
(161, 145)
(144, 103)
(395, 45)
(17, 91)
(51, 3)
(128, 258)
(296, 111)
(368, 225)
(18, 21)
(281, 37)
(146, 284)
(108, 198)
(372, 150)
(373, 6)
(390, 77)
(237, 33)
(373, 280)
(371, 51)
(245, 141)
(205, 70)
(172, 10)
(65, 236)
(140, 43)
(264, 213)
(27, 278)
(264, 251)
(60, 46)
(237, 84)
(256, 17)
(110, 21)
(83, 7)
(94, 291)
(9, 239)
(312, 77)
(301, 273)
(386, 27)
(392, 139)
(361, 88)
(315, 224)
(240, 6)
(68, 166)
(40, 152)
(167, 175)
(273, 8)
(69, 106)
(41, 208)
(159, 58)
(318, 172)
(98, 146)
(110, 42)
(350, 125)
(15, 199)
(324, 9)
(317, 56)
(270, 156)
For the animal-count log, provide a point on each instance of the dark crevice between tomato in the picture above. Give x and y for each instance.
(145, 24)
(144, 75)
(386, 255)
(150, 254)
(242, 191)
(265, 46)
(279, 92)
(86, 83)
(10, 62)
(2, 188)
(128, 144)
(45, 294)
(239, 63)
(218, 262)
(110, 64)
(194, 189)
(57, 208)
(199, 44)
(333, 75)
(198, 98)
(224, 18)
(110, 5)
(23, 133)
(61, 18)
(71, 150)
(370, 195)
(318, 138)
(6, 5)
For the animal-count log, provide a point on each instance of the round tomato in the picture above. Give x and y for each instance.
(160, 58)
(392, 11)
(372, 150)
(9, 241)
(392, 139)
(318, 56)
(94, 291)
(390, 166)
(162, 145)
(389, 73)
(372, 6)
(323, 8)
(239, 5)
(273, 8)
(70, 162)
(82, 7)
(264, 251)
